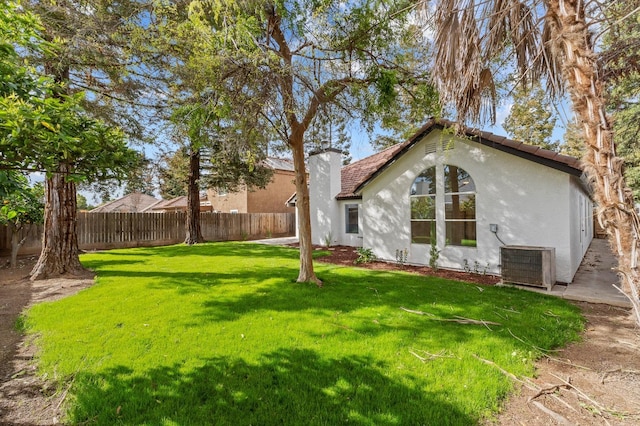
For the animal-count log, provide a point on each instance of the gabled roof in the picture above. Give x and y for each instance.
(178, 203)
(358, 174)
(279, 164)
(172, 204)
(130, 203)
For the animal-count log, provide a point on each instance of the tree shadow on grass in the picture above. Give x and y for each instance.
(289, 386)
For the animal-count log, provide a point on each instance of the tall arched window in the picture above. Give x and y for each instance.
(423, 207)
(460, 207)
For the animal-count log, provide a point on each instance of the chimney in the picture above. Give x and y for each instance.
(324, 184)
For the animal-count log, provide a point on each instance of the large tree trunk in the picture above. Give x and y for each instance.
(304, 218)
(616, 214)
(59, 255)
(193, 228)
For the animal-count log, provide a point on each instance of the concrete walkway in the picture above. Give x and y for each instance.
(595, 279)
(593, 282)
(283, 241)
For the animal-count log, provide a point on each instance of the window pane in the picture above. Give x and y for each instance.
(457, 180)
(425, 183)
(422, 230)
(351, 218)
(460, 206)
(461, 233)
(423, 207)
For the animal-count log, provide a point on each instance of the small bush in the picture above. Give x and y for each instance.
(365, 255)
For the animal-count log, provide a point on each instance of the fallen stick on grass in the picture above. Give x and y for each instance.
(441, 354)
(458, 319)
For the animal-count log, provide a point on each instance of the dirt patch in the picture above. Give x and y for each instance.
(26, 399)
(594, 382)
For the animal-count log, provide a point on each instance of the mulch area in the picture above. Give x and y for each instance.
(343, 255)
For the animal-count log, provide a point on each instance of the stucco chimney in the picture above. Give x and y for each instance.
(324, 184)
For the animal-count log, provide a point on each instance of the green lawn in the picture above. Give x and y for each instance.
(221, 334)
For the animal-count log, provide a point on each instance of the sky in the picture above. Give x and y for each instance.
(361, 140)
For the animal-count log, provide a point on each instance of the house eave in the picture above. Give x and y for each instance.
(527, 152)
(348, 197)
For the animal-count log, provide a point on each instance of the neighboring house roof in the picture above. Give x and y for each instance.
(358, 174)
(291, 201)
(173, 204)
(178, 203)
(130, 203)
(279, 164)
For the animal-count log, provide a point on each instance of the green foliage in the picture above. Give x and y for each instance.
(82, 203)
(218, 333)
(40, 128)
(141, 178)
(365, 255)
(423, 207)
(329, 130)
(531, 119)
(96, 54)
(414, 103)
(23, 205)
(573, 141)
(621, 58)
(173, 170)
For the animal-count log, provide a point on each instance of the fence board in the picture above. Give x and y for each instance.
(101, 231)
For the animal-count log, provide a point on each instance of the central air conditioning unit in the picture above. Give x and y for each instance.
(534, 266)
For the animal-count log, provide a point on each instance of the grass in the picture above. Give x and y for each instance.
(220, 334)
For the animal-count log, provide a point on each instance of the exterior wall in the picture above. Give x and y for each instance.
(229, 201)
(582, 231)
(324, 185)
(343, 238)
(272, 199)
(529, 202)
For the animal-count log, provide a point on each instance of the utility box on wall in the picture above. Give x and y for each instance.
(534, 266)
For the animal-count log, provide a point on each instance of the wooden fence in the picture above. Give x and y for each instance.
(101, 231)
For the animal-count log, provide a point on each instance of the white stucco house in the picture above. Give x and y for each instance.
(469, 195)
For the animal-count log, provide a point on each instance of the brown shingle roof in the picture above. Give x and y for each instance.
(353, 175)
(356, 175)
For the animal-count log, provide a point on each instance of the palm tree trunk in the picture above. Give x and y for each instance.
(572, 41)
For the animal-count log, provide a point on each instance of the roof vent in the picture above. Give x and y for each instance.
(429, 147)
(534, 266)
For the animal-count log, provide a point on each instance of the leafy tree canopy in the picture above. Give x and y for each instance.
(23, 205)
(620, 54)
(40, 127)
(531, 119)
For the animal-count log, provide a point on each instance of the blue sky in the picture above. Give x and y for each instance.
(361, 146)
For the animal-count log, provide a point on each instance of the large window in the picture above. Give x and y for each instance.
(423, 207)
(351, 218)
(459, 207)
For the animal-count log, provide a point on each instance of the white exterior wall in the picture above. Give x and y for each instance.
(530, 203)
(324, 185)
(581, 224)
(344, 239)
